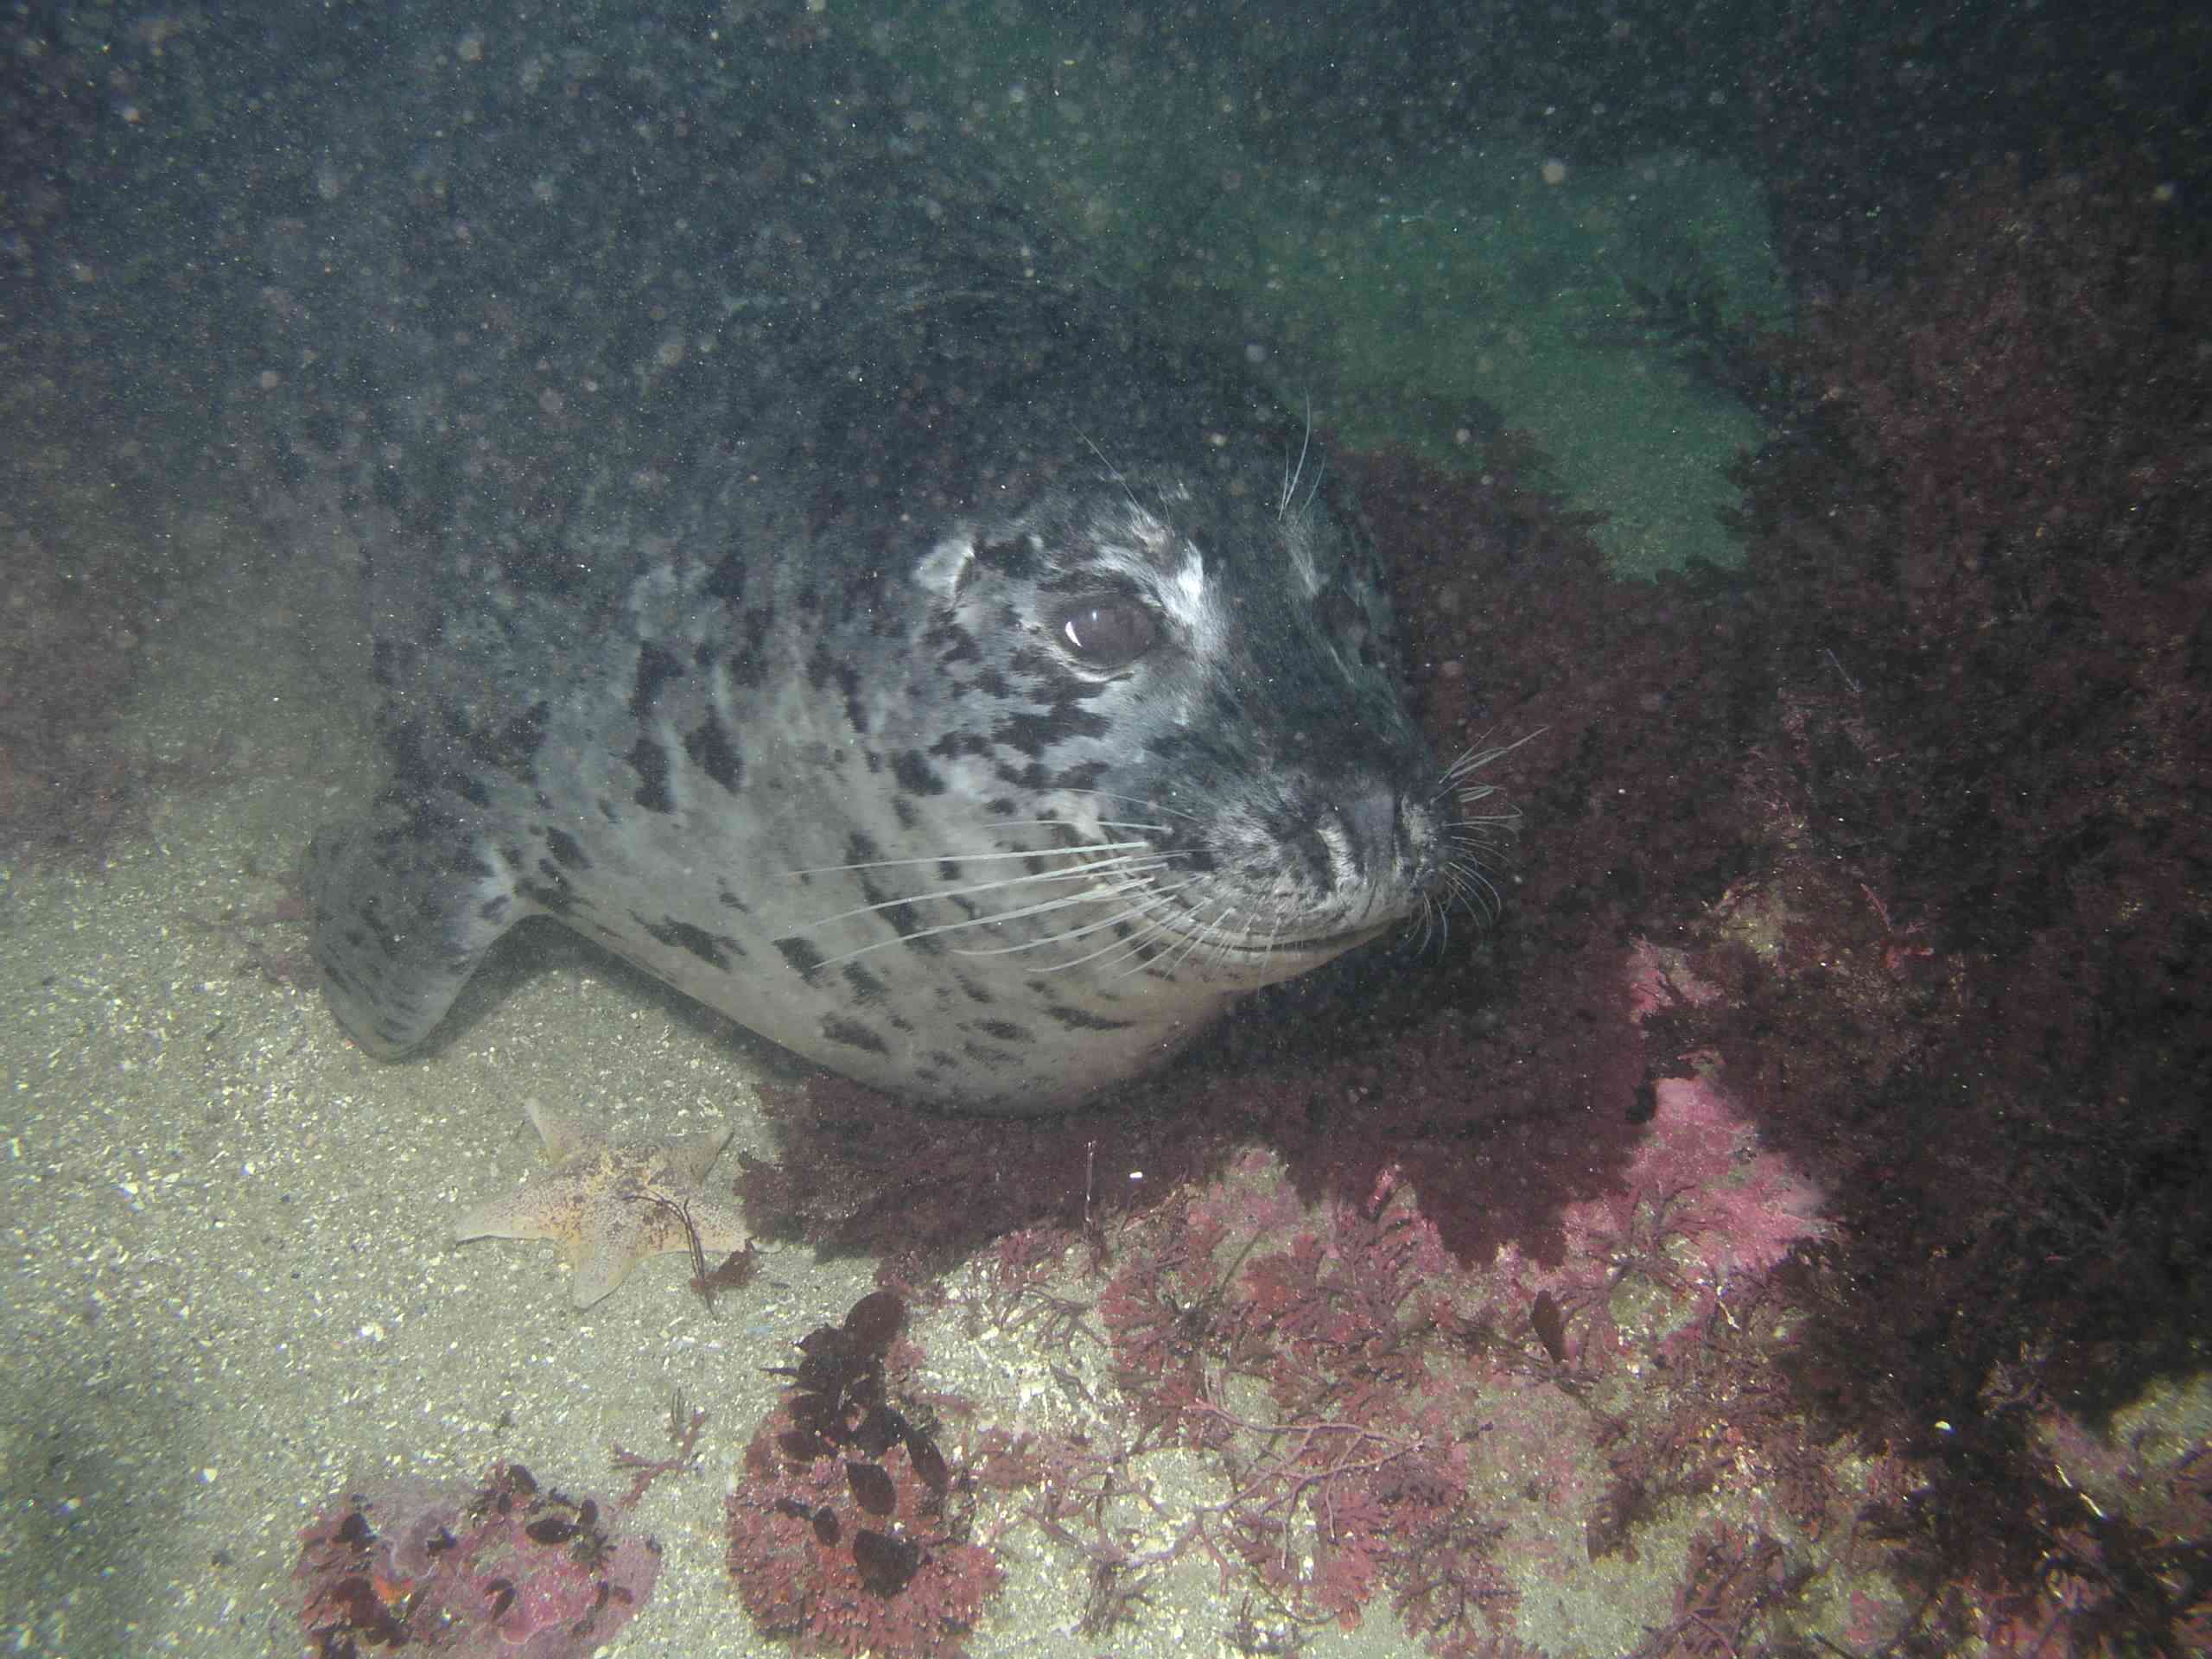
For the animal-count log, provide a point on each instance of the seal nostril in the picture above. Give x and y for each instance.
(1371, 824)
(1320, 862)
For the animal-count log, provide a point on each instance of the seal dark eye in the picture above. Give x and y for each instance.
(1109, 634)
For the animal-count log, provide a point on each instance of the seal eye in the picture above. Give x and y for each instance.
(1109, 634)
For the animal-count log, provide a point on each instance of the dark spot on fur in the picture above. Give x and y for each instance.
(898, 914)
(803, 958)
(566, 853)
(710, 749)
(915, 775)
(552, 894)
(1017, 558)
(516, 744)
(712, 949)
(853, 1034)
(848, 682)
(656, 668)
(750, 666)
(955, 744)
(1169, 741)
(1006, 1031)
(866, 987)
(727, 579)
(1033, 733)
(649, 761)
(1083, 1020)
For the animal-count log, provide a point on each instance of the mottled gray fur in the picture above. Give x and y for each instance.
(749, 594)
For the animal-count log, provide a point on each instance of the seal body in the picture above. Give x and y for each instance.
(792, 569)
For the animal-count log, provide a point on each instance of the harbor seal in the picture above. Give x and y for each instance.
(794, 570)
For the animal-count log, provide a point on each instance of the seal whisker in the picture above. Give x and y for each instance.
(974, 858)
(1139, 800)
(1115, 920)
(1027, 911)
(1424, 912)
(1213, 933)
(1146, 926)
(1471, 836)
(1472, 885)
(1115, 472)
(1473, 851)
(1505, 819)
(1150, 907)
(1435, 924)
(1140, 962)
(1291, 474)
(1319, 472)
(1146, 898)
(1453, 778)
(1085, 872)
(1223, 940)
(1142, 930)
(1090, 894)
(1133, 946)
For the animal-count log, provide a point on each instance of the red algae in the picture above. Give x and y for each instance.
(848, 1529)
(507, 1570)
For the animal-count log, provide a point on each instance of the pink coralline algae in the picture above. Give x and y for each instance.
(1390, 1425)
(1699, 1207)
(509, 1570)
(1351, 1481)
(1741, 1207)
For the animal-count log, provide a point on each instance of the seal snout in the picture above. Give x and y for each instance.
(1375, 828)
(1370, 838)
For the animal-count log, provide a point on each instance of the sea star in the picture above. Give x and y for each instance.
(609, 1207)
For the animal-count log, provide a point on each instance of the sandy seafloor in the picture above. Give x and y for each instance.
(230, 1292)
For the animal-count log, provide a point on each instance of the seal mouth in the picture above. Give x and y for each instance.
(1307, 945)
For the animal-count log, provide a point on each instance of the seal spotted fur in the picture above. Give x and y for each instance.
(749, 597)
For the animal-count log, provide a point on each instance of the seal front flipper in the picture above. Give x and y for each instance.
(406, 904)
